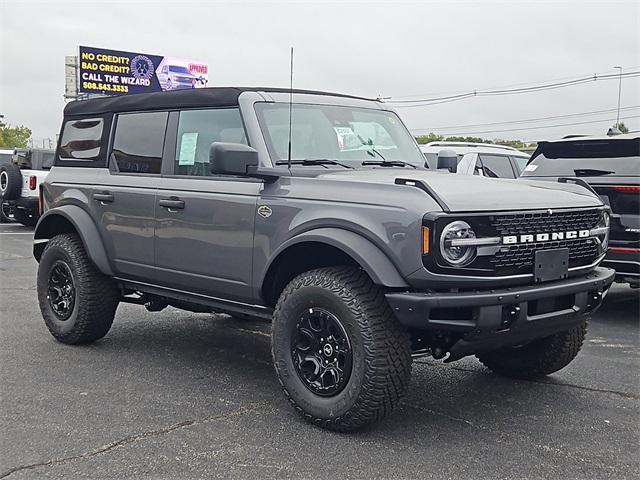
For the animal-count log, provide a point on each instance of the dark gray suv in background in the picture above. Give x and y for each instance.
(320, 216)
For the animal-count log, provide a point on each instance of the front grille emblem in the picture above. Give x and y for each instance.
(549, 211)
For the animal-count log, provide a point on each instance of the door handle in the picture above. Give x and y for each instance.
(173, 203)
(104, 197)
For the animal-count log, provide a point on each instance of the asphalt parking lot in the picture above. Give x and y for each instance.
(182, 395)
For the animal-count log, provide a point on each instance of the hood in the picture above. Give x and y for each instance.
(461, 193)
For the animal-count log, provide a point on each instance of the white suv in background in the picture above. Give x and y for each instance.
(20, 179)
(484, 159)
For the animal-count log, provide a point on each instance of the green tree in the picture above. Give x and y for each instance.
(431, 137)
(14, 137)
(518, 144)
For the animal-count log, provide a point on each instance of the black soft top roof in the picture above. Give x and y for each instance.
(198, 97)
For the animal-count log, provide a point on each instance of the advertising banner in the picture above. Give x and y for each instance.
(113, 72)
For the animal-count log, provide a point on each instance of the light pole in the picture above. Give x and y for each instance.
(619, 93)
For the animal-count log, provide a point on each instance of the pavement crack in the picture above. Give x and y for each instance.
(253, 332)
(441, 414)
(558, 384)
(129, 440)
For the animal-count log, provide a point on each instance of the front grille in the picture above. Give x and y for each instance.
(514, 259)
(517, 259)
(582, 252)
(539, 222)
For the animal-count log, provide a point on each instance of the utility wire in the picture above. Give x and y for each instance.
(511, 91)
(537, 127)
(527, 120)
(520, 84)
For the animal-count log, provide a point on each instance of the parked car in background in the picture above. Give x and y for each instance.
(20, 180)
(611, 166)
(484, 159)
(6, 215)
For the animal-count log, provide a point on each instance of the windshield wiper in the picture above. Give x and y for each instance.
(389, 163)
(373, 152)
(312, 162)
(591, 172)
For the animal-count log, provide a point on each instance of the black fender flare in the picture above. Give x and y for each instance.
(370, 257)
(82, 224)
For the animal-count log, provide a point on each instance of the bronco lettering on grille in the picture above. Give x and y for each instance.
(544, 237)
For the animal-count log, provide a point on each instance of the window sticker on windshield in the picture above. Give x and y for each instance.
(530, 168)
(188, 144)
(347, 138)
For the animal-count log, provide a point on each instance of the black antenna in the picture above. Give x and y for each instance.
(290, 109)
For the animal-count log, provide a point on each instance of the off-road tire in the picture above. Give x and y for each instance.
(96, 296)
(11, 177)
(24, 218)
(538, 358)
(381, 367)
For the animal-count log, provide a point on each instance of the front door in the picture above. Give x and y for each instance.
(205, 223)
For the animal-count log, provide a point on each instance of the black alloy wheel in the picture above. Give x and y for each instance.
(321, 352)
(61, 290)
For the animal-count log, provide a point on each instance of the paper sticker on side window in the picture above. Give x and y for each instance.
(530, 168)
(188, 144)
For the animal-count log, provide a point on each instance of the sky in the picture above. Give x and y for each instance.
(401, 50)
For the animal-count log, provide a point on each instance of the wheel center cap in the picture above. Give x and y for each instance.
(327, 349)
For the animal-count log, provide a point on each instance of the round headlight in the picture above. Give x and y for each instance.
(456, 253)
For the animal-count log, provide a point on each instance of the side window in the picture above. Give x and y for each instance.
(520, 162)
(496, 166)
(197, 130)
(138, 142)
(477, 170)
(81, 139)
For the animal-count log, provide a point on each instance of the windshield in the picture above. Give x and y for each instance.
(327, 132)
(178, 69)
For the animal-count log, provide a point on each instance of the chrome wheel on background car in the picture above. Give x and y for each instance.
(4, 182)
(321, 352)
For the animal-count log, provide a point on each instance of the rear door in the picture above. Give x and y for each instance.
(125, 200)
(205, 222)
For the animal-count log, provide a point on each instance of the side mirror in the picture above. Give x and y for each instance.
(447, 160)
(232, 158)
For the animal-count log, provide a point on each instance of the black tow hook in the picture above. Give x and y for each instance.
(510, 313)
(595, 299)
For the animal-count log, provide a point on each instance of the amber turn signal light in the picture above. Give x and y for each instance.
(425, 240)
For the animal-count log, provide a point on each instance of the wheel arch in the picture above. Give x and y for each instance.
(321, 248)
(71, 219)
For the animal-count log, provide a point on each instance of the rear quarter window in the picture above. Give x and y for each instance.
(82, 142)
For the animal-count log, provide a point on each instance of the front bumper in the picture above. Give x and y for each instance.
(491, 319)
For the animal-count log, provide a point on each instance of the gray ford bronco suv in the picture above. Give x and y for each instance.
(320, 216)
